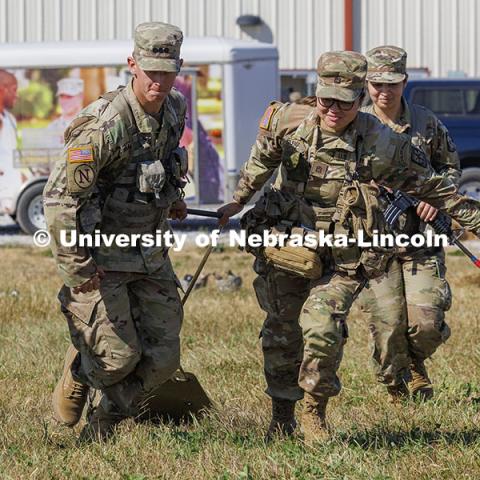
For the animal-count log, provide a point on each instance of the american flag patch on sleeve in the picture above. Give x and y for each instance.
(80, 154)
(266, 119)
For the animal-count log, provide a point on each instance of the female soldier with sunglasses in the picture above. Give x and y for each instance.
(324, 152)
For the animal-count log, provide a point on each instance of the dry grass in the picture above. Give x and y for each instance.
(372, 439)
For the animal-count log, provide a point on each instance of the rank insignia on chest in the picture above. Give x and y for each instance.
(318, 169)
(80, 154)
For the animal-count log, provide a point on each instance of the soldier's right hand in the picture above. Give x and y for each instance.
(91, 284)
(227, 211)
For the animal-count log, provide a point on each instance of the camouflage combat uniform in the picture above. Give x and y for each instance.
(318, 166)
(408, 301)
(127, 332)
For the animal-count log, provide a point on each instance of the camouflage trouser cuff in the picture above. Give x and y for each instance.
(292, 394)
(402, 376)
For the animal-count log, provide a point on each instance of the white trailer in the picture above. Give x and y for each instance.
(250, 80)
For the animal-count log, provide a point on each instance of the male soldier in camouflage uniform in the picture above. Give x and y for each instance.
(121, 174)
(409, 299)
(325, 154)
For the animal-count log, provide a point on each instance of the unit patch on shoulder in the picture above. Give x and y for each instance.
(80, 177)
(80, 154)
(266, 120)
(83, 175)
(419, 157)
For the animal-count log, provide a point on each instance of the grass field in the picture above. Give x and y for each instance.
(372, 439)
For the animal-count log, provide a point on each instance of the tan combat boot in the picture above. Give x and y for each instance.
(69, 396)
(420, 385)
(283, 419)
(398, 393)
(100, 425)
(314, 422)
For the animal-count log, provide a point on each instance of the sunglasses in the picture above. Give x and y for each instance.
(378, 85)
(328, 103)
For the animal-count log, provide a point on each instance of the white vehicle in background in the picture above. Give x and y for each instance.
(248, 72)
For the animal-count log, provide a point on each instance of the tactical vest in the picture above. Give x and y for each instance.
(421, 130)
(320, 177)
(137, 201)
(421, 136)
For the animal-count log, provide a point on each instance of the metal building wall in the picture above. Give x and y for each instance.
(438, 34)
(302, 29)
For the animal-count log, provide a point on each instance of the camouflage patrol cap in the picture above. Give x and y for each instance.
(157, 46)
(386, 64)
(341, 75)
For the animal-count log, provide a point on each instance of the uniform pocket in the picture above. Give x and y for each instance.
(128, 217)
(296, 163)
(441, 271)
(89, 334)
(262, 294)
(447, 296)
(81, 305)
(150, 176)
(374, 262)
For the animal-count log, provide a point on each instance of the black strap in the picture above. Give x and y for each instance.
(120, 104)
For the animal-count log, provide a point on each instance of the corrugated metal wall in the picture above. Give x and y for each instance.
(438, 34)
(302, 29)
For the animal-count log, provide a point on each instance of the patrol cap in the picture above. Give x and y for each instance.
(157, 46)
(70, 86)
(386, 64)
(341, 75)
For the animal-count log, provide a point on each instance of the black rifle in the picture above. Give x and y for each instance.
(442, 224)
(204, 213)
